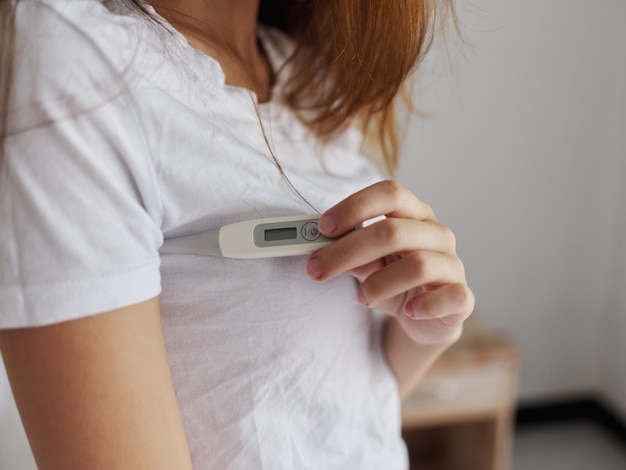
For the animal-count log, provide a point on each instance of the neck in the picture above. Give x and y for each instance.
(225, 30)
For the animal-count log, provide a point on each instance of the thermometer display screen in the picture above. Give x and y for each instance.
(278, 234)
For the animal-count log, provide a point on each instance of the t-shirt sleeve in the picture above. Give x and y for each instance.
(79, 205)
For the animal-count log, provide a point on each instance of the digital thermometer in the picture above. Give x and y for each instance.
(260, 238)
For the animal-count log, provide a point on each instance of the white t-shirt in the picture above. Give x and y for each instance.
(122, 134)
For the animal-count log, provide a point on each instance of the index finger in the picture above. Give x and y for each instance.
(387, 198)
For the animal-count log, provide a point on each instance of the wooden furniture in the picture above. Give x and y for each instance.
(460, 417)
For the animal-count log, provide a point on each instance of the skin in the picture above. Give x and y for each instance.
(226, 31)
(406, 266)
(96, 393)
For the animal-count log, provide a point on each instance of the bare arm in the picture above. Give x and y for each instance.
(96, 393)
(408, 360)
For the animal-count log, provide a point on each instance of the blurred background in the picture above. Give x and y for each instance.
(523, 154)
(522, 151)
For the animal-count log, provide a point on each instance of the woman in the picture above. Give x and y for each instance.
(127, 122)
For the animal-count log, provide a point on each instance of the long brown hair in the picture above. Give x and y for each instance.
(352, 58)
(366, 49)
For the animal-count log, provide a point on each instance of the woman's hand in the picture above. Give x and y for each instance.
(406, 265)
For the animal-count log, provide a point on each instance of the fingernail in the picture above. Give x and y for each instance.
(360, 297)
(314, 268)
(409, 310)
(327, 224)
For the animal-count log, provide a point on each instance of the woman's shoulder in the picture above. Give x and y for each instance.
(67, 34)
(73, 55)
(69, 56)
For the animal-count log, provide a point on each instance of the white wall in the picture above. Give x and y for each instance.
(614, 383)
(520, 156)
